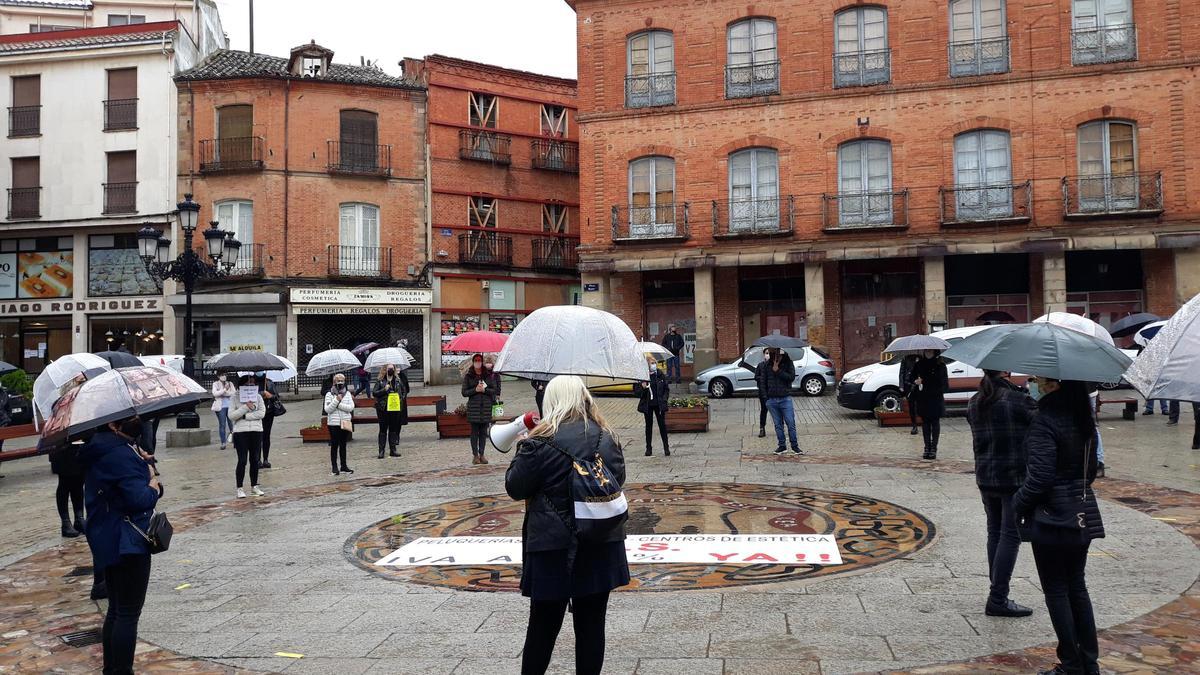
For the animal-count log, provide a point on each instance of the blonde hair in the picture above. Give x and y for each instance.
(568, 400)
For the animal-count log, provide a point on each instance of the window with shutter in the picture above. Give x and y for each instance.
(235, 127)
(358, 141)
(24, 197)
(120, 192)
(25, 115)
(120, 109)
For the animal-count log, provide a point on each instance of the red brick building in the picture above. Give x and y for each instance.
(319, 169)
(504, 191)
(849, 172)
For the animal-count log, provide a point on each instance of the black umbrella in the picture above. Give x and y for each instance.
(250, 361)
(780, 341)
(6, 368)
(1131, 324)
(120, 359)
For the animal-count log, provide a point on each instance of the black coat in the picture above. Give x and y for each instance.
(1058, 450)
(479, 406)
(930, 398)
(674, 343)
(998, 438)
(538, 474)
(772, 383)
(265, 385)
(906, 375)
(382, 388)
(654, 396)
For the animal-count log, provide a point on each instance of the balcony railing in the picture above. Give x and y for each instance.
(249, 264)
(555, 254)
(24, 203)
(1130, 194)
(485, 248)
(120, 198)
(25, 120)
(865, 210)
(555, 155)
(120, 114)
(244, 153)
(359, 159)
(648, 91)
(650, 223)
(753, 217)
(862, 69)
(1105, 44)
(979, 57)
(360, 261)
(994, 203)
(752, 79)
(485, 146)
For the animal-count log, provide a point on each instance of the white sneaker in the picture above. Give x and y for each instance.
(241, 493)
(256, 491)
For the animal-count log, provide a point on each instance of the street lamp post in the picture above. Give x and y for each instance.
(188, 268)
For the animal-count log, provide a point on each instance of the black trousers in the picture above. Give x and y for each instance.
(931, 429)
(389, 430)
(127, 582)
(912, 410)
(1061, 571)
(538, 397)
(1173, 415)
(267, 422)
(651, 414)
(337, 447)
(762, 413)
(479, 437)
(545, 620)
(69, 485)
(1003, 542)
(248, 445)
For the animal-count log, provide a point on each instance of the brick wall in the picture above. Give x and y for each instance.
(626, 298)
(727, 314)
(1037, 286)
(833, 315)
(1158, 272)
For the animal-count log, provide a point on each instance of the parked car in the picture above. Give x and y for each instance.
(20, 410)
(814, 372)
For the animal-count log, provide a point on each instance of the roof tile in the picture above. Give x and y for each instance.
(229, 64)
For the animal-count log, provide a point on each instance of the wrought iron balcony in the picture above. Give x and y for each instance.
(1105, 44)
(485, 146)
(648, 91)
(244, 153)
(24, 203)
(120, 114)
(862, 69)
(752, 79)
(120, 198)
(360, 261)
(994, 203)
(753, 217)
(555, 254)
(25, 120)
(662, 222)
(249, 264)
(1131, 195)
(488, 249)
(359, 159)
(864, 210)
(555, 155)
(979, 57)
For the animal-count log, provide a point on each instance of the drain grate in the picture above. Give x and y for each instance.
(82, 638)
(1131, 500)
(80, 571)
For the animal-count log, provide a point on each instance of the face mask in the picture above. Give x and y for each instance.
(489, 366)
(131, 428)
(339, 385)
(477, 364)
(391, 371)
(1034, 391)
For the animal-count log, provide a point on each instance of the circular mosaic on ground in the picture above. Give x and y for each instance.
(869, 532)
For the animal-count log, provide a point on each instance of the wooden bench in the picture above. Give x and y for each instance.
(18, 431)
(437, 401)
(1130, 410)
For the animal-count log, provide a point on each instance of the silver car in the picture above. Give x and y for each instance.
(814, 372)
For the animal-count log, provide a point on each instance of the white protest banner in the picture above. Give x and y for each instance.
(715, 549)
(248, 394)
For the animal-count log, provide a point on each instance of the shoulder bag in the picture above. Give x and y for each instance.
(1061, 519)
(158, 534)
(276, 406)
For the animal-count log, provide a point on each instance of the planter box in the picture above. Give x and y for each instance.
(315, 434)
(687, 420)
(898, 418)
(450, 425)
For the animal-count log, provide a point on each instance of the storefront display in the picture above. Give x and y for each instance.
(116, 268)
(502, 323)
(457, 325)
(139, 335)
(37, 268)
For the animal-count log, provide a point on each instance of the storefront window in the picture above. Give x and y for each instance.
(139, 335)
(36, 268)
(41, 340)
(452, 326)
(115, 268)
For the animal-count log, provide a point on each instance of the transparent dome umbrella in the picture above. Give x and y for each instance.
(331, 361)
(59, 372)
(573, 340)
(380, 358)
(656, 350)
(1077, 323)
(1169, 367)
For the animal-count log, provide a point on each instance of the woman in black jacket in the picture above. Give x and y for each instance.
(481, 387)
(1062, 465)
(67, 466)
(266, 389)
(652, 403)
(557, 567)
(931, 380)
(999, 415)
(908, 388)
(391, 406)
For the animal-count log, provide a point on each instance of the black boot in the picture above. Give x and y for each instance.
(80, 524)
(381, 452)
(666, 451)
(762, 432)
(68, 531)
(914, 432)
(395, 452)
(649, 451)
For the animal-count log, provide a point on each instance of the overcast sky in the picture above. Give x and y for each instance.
(533, 35)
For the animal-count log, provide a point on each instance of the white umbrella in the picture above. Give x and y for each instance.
(172, 361)
(1169, 367)
(572, 340)
(47, 386)
(1080, 324)
(331, 361)
(381, 358)
(285, 374)
(655, 349)
(1146, 333)
(911, 344)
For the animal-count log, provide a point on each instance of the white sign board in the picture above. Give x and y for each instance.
(711, 549)
(247, 394)
(364, 296)
(239, 336)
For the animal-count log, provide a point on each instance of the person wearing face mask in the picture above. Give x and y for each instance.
(652, 403)
(391, 406)
(222, 393)
(481, 387)
(266, 389)
(120, 492)
(247, 419)
(931, 380)
(339, 408)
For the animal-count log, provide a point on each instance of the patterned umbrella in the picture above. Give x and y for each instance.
(1169, 366)
(48, 385)
(331, 361)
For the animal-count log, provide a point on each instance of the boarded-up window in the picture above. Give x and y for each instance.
(359, 138)
(544, 295)
(460, 293)
(26, 172)
(554, 120)
(27, 91)
(483, 110)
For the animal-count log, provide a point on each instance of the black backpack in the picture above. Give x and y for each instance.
(600, 506)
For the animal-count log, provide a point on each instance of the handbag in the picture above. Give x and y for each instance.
(277, 409)
(158, 534)
(347, 425)
(1062, 518)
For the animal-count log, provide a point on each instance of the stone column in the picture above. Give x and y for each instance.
(80, 330)
(598, 299)
(814, 302)
(1054, 281)
(935, 290)
(1187, 274)
(706, 326)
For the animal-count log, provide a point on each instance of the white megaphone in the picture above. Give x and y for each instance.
(503, 436)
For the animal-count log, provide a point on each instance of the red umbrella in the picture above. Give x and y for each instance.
(479, 341)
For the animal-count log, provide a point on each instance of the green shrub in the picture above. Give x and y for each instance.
(17, 382)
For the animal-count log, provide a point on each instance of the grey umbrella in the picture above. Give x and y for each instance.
(1131, 324)
(1043, 349)
(251, 360)
(1169, 366)
(120, 359)
(910, 344)
(780, 341)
